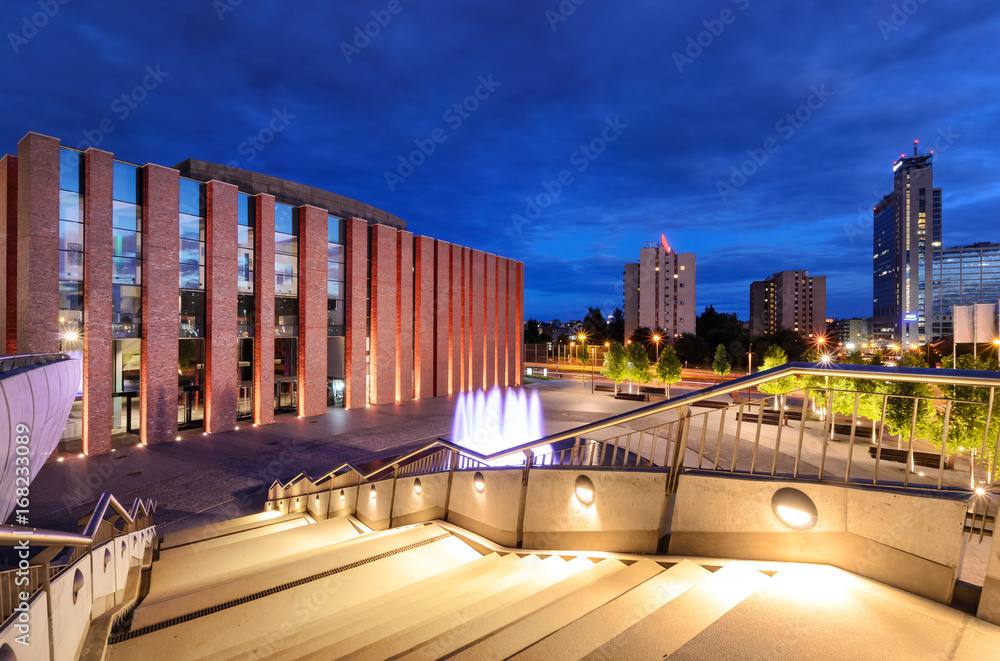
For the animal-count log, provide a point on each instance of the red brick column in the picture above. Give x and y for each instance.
(312, 310)
(457, 320)
(514, 334)
(263, 310)
(355, 312)
(382, 351)
(519, 323)
(97, 303)
(423, 316)
(160, 284)
(478, 318)
(8, 253)
(37, 244)
(471, 318)
(404, 316)
(490, 347)
(501, 336)
(221, 221)
(442, 318)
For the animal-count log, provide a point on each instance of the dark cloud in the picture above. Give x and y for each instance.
(934, 74)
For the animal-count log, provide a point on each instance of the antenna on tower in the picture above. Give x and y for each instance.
(915, 147)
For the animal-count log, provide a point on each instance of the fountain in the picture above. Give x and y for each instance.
(500, 419)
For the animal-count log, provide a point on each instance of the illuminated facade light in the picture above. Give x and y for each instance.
(479, 482)
(794, 509)
(417, 487)
(584, 490)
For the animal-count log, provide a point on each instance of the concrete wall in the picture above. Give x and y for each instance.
(625, 515)
(493, 513)
(70, 621)
(38, 640)
(989, 602)
(412, 507)
(374, 512)
(904, 540)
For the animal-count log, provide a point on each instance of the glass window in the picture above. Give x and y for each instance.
(334, 229)
(191, 306)
(191, 198)
(244, 237)
(126, 215)
(246, 210)
(285, 219)
(335, 253)
(70, 296)
(126, 271)
(334, 289)
(245, 315)
(70, 265)
(70, 236)
(286, 244)
(192, 252)
(70, 206)
(334, 271)
(127, 315)
(192, 276)
(70, 170)
(127, 186)
(192, 227)
(126, 243)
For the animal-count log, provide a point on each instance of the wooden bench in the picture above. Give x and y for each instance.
(652, 390)
(632, 397)
(925, 459)
(604, 388)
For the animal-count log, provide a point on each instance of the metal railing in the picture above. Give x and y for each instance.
(60, 550)
(707, 441)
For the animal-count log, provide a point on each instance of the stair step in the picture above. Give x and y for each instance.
(668, 628)
(473, 630)
(320, 634)
(387, 638)
(237, 572)
(232, 538)
(546, 621)
(272, 622)
(227, 527)
(597, 627)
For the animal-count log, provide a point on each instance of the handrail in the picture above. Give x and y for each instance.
(879, 372)
(10, 535)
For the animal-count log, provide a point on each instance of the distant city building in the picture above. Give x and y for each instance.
(660, 290)
(791, 300)
(907, 224)
(962, 276)
(852, 333)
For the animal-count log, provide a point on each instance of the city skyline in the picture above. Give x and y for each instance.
(543, 143)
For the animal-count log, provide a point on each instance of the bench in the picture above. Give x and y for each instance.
(924, 459)
(632, 397)
(652, 390)
(604, 388)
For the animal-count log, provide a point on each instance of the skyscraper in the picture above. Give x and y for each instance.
(660, 290)
(907, 228)
(791, 300)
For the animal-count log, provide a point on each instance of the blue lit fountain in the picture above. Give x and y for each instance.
(500, 419)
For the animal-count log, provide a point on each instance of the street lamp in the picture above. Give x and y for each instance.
(656, 341)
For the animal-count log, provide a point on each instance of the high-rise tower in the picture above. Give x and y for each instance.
(907, 225)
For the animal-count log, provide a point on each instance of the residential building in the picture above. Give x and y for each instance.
(791, 300)
(851, 333)
(660, 290)
(907, 228)
(199, 295)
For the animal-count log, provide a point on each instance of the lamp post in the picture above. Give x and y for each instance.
(656, 340)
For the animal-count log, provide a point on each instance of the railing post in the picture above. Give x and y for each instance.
(392, 498)
(522, 500)
(828, 430)
(881, 436)
(909, 452)
(453, 464)
(944, 444)
(854, 428)
(802, 431)
(736, 441)
(680, 446)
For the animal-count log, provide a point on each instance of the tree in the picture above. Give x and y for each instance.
(638, 364)
(595, 326)
(723, 328)
(616, 327)
(531, 334)
(583, 353)
(668, 369)
(691, 348)
(640, 335)
(967, 423)
(899, 410)
(776, 357)
(720, 364)
(615, 363)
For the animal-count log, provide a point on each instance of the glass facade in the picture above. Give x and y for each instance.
(286, 306)
(126, 296)
(71, 273)
(245, 305)
(191, 304)
(335, 310)
(962, 276)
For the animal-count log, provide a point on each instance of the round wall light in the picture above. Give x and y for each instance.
(584, 490)
(417, 487)
(341, 494)
(479, 482)
(794, 509)
(372, 491)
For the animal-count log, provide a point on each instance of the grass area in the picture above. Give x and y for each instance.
(540, 377)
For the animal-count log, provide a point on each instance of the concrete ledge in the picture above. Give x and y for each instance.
(612, 541)
(430, 514)
(503, 537)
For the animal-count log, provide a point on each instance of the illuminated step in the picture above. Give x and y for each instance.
(383, 639)
(227, 527)
(500, 618)
(226, 538)
(546, 621)
(230, 572)
(668, 628)
(603, 624)
(269, 622)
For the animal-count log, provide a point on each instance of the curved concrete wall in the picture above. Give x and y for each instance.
(40, 397)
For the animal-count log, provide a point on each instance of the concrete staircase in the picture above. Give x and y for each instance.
(286, 587)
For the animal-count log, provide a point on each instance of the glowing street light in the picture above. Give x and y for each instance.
(656, 340)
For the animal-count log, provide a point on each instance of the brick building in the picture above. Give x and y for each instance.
(158, 279)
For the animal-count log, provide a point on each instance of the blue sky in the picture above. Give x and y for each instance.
(643, 109)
